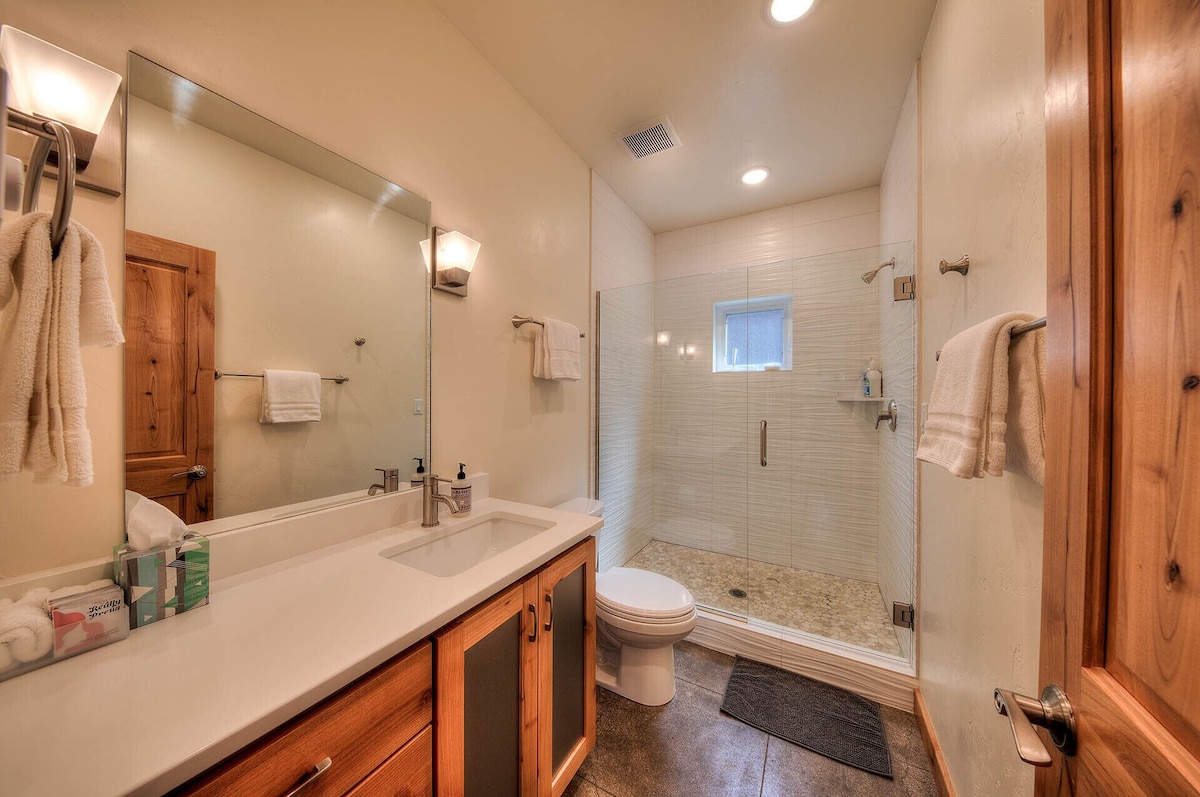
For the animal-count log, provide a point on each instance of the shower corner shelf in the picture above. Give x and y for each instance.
(854, 397)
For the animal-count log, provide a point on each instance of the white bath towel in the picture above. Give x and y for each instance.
(290, 397)
(51, 306)
(1026, 441)
(556, 351)
(966, 425)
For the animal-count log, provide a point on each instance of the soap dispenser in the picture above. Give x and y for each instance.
(460, 489)
(418, 478)
(874, 379)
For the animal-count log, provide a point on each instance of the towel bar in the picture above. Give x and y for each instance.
(339, 379)
(518, 321)
(1016, 332)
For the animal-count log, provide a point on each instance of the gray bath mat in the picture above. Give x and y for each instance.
(827, 720)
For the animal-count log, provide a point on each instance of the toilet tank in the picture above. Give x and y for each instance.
(584, 506)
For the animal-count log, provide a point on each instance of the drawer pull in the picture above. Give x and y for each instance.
(322, 767)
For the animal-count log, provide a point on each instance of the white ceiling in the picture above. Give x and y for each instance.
(815, 101)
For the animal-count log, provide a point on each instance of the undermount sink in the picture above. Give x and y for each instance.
(462, 546)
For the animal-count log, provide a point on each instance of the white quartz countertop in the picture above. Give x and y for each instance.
(144, 715)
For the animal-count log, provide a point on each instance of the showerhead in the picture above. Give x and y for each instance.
(869, 277)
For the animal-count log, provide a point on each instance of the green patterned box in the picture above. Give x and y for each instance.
(163, 582)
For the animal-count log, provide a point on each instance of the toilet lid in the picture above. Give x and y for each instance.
(639, 593)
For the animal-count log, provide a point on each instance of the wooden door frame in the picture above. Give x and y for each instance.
(1079, 296)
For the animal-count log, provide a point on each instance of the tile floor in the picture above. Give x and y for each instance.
(829, 606)
(687, 748)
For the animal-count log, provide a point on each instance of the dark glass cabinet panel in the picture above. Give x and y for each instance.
(492, 713)
(570, 625)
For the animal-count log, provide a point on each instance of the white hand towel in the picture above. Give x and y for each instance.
(556, 351)
(43, 395)
(966, 424)
(27, 631)
(1027, 406)
(290, 397)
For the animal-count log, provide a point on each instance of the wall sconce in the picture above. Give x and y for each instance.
(451, 261)
(47, 82)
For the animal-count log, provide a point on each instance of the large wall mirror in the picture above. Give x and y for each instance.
(251, 248)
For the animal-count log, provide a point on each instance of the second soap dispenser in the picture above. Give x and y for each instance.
(460, 489)
(418, 478)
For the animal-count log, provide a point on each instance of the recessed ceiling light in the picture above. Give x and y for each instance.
(789, 10)
(754, 176)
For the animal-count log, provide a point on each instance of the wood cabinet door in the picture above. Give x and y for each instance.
(1121, 581)
(169, 297)
(487, 701)
(566, 667)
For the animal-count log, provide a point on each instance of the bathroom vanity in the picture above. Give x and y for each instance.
(338, 652)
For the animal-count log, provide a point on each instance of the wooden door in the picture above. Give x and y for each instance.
(169, 299)
(1121, 581)
(487, 700)
(567, 667)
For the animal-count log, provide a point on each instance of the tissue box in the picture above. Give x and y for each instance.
(88, 620)
(163, 582)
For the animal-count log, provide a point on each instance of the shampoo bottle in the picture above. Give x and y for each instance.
(460, 489)
(874, 380)
(418, 478)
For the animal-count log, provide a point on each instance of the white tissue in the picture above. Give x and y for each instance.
(149, 524)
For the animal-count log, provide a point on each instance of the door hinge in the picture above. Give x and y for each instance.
(903, 614)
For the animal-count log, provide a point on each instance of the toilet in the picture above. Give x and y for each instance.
(640, 616)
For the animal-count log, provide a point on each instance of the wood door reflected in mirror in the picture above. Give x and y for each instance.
(313, 252)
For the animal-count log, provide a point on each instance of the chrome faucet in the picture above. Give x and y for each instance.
(391, 481)
(429, 506)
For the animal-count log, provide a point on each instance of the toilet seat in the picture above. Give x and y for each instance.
(641, 596)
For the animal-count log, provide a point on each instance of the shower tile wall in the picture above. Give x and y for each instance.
(623, 255)
(815, 505)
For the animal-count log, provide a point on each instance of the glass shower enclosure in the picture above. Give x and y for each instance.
(738, 454)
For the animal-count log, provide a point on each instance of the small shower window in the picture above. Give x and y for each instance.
(753, 334)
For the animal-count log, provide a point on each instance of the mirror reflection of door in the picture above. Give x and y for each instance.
(169, 301)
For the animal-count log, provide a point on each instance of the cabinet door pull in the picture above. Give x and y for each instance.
(550, 610)
(322, 767)
(533, 613)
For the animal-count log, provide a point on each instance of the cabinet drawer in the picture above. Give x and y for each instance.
(358, 728)
(408, 773)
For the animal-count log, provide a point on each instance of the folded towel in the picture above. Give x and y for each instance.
(290, 397)
(27, 631)
(556, 351)
(1027, 406)
(60, 304)
(966, 424)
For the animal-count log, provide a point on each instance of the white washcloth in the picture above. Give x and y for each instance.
(1027, 406)
(556, 351)
(149, 524)
(51, 307)
(290, 397)
(25, 631)
(966, 424)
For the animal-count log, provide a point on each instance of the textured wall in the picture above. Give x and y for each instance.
(815, 505)
(623, 271)
(420, 107)
(982, 193)
(898, 199)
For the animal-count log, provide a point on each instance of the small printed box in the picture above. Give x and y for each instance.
(163, 582)
(88, 620)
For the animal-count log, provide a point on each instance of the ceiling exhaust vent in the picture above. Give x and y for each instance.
(650, 137)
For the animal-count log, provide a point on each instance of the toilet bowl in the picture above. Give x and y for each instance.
(639, 617)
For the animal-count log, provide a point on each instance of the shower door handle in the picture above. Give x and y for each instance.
(762, 443)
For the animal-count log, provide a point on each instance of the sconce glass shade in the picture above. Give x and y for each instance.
(456, 255)
(50, 82)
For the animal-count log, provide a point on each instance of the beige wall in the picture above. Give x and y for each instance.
(396, 87)
(983, 194)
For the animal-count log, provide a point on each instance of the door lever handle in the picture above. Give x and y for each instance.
(1053, 712)
(194, 473)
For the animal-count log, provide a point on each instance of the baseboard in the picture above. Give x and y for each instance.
(940, 773)
(863, 673)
